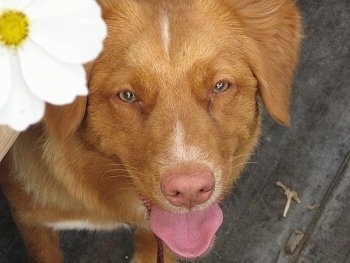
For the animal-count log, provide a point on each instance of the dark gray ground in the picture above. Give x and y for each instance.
(312, 157)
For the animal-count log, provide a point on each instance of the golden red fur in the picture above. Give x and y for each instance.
(89, 162)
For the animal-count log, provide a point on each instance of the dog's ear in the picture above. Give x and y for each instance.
(63, 121)
(106, 6)
(273, 33)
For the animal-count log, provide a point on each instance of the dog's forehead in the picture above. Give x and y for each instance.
(171, 35)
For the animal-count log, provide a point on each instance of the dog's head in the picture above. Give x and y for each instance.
(174, 98)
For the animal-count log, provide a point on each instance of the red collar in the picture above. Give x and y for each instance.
(160, 250)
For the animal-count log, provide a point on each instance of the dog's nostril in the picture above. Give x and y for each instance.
(174, 194)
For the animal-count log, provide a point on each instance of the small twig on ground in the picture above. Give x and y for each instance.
(313, 206)
(290, 194)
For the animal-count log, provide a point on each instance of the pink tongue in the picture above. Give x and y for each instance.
(189, 235)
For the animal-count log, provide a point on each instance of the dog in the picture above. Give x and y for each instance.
(172, 116)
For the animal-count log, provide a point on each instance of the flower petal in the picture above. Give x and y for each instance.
(23, 3)
(9, 4)
(59, 8)
(6, 77)
(22, 108)
(15, 4)
(72, 32)
(50, 79)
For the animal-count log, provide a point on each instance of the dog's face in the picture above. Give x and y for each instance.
(173, 99)
(172, 92)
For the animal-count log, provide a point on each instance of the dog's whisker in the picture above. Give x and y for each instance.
(241, 155)
(116, 177)
(125, 170)
(128, 167)
(259, 194)
(228, 192)
(245, 163)
(119, 170)
(107, 175)
(224, 205)
(214, 252)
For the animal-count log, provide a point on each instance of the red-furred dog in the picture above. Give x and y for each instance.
(171, 117)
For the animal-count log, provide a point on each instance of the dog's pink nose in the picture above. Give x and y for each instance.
(188, 187)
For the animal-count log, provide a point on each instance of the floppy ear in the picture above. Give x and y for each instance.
(106, 6)
(273, 29)
(63, 121)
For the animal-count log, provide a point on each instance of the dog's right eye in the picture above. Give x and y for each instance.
(221, 86)
(127, 96)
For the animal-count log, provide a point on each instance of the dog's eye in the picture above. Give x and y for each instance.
(127, 96)
(221, 86)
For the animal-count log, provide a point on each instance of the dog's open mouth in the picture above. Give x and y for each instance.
(188, 235)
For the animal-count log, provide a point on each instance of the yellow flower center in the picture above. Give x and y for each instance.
(14, 28)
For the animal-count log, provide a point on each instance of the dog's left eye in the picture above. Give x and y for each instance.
(221, 86)
(127, 96)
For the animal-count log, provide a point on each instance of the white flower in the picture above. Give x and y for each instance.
(43, 44)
